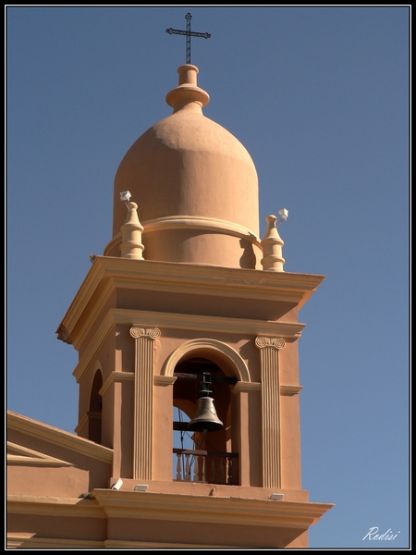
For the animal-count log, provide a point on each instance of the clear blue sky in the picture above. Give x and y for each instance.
(319, 96)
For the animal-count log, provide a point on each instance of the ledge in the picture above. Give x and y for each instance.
(18, 455)
(27, 540)
(206, 509)
(54, 506)
(108, 273)
(53, 435)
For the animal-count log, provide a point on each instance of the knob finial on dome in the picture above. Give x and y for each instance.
(187, 92)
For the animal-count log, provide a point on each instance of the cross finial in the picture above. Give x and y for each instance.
(188, 33)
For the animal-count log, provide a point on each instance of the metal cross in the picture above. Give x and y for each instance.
(188, 34)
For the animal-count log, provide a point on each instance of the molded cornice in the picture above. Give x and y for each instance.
(23, 456)
(111, 273)
(54, 506)
(27, 540)
(207, 509)
(59, 437)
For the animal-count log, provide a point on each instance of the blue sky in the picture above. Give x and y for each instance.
(319, 97)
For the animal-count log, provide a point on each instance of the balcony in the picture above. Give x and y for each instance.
(206, 467)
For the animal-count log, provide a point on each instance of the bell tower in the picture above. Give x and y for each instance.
(189, 309)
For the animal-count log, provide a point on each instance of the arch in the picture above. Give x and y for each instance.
(95, 408)
(209, 345)
(206, 457)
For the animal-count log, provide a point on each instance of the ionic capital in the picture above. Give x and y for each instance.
(150, 333)
(273, 342)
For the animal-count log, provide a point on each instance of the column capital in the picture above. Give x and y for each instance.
(150, 333)
(273, 342)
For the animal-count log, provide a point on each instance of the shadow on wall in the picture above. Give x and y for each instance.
(248, 259)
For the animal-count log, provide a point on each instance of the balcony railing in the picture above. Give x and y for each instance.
(207, 467)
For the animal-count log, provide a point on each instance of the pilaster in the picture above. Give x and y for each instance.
(270, 409)
(143, 400)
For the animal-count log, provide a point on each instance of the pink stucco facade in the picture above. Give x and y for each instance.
(183, 280)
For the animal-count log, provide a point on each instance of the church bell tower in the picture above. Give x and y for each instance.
(189, 312)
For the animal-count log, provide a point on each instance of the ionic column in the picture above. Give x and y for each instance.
(143, 401)
(270, 409)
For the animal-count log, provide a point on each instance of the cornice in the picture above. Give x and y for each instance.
(109, 273)
(211, 280)
(59, 437)
(20, 460)
(54, 506)
(87, 319)
(207, 509)
(89, 285)
(25, 540)
(23, 456)
(131, 544)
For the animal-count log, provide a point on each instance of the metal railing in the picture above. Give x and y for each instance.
(205, 466)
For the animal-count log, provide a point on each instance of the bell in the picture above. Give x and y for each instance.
(206, 417)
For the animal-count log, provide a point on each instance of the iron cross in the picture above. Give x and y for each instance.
(188, 34)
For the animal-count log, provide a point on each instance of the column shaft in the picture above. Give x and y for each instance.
(270, 409)
(143, 401)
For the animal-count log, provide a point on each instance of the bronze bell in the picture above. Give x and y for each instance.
(206, 417)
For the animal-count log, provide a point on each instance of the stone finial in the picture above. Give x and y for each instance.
(272, 245)
(187, 93)
(131, 234)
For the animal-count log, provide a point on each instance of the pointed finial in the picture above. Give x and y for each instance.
(131, 230)
(272, 243)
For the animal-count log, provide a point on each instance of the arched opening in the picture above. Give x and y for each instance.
(95, 410)
(203, 456)
(184, 463)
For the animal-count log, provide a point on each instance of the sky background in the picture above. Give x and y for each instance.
(319, 97)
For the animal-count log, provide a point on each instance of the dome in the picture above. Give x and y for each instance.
(195, 185)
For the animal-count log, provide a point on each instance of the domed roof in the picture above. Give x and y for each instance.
(189, 173)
